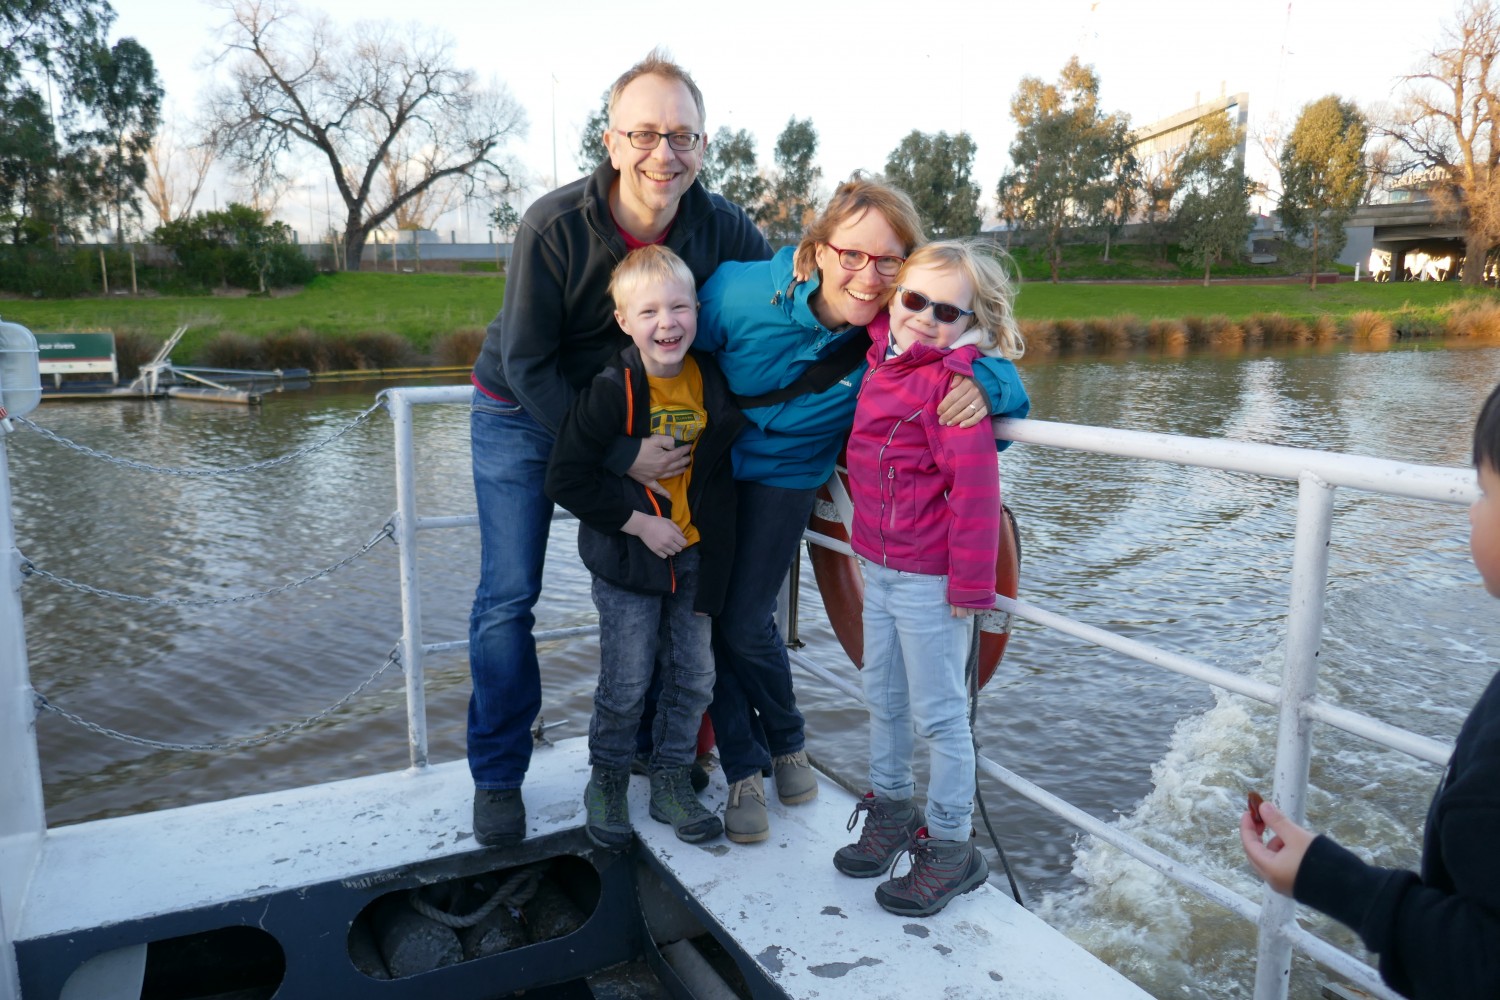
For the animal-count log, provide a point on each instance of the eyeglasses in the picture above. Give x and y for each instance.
(855, 260)
(646, 139)
(943, 312)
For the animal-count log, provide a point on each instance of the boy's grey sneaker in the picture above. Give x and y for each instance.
(745, 820)
(641, 764)
(940, 870)
(499, 817)
(673, 801)
(890, 828)
(606, 797)
(795, 779)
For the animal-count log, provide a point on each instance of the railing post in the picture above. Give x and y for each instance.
(1299, 678)
(411, 591)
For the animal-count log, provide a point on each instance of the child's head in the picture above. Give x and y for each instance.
(656, 303)
(1484, 514)
(956, 291)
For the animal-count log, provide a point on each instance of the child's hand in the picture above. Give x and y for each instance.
(959, 612)
(964, 405)
(660, 534)
(659, 458)
(1278, 860)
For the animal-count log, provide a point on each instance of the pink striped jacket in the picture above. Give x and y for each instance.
(926, 497)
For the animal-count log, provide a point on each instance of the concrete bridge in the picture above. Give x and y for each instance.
(1400, 229)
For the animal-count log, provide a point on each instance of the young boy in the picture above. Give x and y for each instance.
(1437, 933)
(659, 553)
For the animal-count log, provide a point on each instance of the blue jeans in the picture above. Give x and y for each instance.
(915, 653)
(754, 711)
(510, 451)
(640, 634)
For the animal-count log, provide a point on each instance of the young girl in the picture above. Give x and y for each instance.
(926, 530)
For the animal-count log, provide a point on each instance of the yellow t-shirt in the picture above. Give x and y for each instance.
(677, 411)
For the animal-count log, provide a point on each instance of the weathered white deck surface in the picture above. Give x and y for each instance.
(816, 932)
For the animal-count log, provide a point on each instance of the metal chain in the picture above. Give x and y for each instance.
(270, 463)
(42, 704)
(29, 568)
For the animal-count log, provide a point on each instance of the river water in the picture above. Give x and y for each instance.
(1193, 560)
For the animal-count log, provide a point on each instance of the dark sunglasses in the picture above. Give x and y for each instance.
(943, 312)
(855, 260)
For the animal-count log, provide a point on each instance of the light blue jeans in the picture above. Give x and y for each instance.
(915, 652)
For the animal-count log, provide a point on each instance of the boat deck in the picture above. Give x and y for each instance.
(814, 932)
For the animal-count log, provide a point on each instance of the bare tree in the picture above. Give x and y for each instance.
(176, 170)
(1449, 120)
(356, 99)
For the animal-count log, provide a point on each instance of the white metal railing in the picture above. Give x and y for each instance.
(1318, 475)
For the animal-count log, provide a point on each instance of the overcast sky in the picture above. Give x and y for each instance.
(867, 73)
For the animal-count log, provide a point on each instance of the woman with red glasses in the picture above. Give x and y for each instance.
(793, 351)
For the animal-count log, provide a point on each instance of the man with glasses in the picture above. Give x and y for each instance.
(555, 330)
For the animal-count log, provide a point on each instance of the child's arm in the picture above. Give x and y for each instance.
(1278, 860)
(576, 476)
(660, 534)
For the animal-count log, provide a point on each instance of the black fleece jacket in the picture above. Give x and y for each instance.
(618, 402)
(1437, 934)
(556, 328)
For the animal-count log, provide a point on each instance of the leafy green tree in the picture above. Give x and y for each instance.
(792, 201)
(238, 246)
(937, 171)
(1213, 216)
(1062, 156)
(1449, 120)
(1121, 186)
(350, 98)
(729, 168)
(591, 137)
(505, 219)
(1322, 177)
(106, 101)
(120, 84)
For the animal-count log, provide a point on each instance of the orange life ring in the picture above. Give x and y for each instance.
(843, 589)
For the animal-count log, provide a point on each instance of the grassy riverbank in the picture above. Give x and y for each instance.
(434, 312)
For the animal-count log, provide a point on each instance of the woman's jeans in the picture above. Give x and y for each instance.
(754, 711)
(915, 654)
(637, 634)
(510, 452)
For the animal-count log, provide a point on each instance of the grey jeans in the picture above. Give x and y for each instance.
(636, 633)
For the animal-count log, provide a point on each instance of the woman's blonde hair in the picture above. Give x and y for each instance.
(653, 263)
(855, 197)
(990, 270)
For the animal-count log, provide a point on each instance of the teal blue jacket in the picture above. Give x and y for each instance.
(761, 329)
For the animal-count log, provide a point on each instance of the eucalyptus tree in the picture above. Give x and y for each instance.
(1062, 156)
(937, 170)
(792, 200)
(730, 168)
(1213, 215)
(1323, 176)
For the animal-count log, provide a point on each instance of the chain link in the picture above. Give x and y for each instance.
(43, 705)
(29, 568)
(270, 463)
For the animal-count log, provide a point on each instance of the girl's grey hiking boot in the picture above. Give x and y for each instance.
(940, 870)
(606, 797)
(673, 802)
(890, 828)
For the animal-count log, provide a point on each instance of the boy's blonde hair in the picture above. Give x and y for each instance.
(656, 63)
(648, 264)
(856, 196)
(989, 270)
